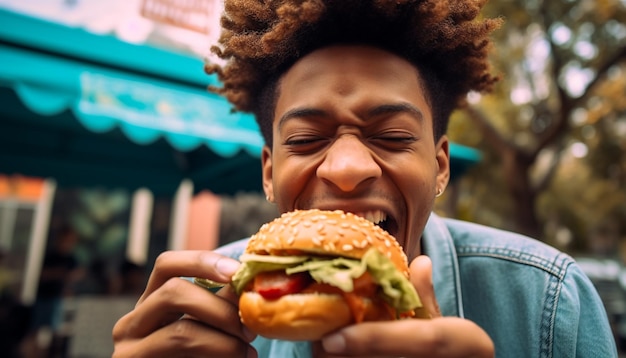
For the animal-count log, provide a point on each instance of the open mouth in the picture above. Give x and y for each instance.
(381, 219)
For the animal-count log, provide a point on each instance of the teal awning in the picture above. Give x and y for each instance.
(145, 109)
(461, 159)
(92, 110)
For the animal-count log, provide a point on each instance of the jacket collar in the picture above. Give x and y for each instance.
(438, 244)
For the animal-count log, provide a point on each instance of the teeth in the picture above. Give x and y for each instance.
(375, 216)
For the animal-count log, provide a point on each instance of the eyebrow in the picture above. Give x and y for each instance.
(385, 109)
(393, 108)
(300, 113)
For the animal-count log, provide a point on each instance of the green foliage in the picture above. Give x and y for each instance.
(553, 134)
(100, 217)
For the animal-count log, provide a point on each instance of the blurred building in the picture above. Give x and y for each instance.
(106, 125)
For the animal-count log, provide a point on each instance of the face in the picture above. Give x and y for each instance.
(353, 131)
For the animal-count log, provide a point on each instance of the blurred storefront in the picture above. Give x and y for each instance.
(24, 205)
(112, 96)
(106, 102)
(106, 125)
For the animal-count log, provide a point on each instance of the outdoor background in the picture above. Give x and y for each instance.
(551, 138)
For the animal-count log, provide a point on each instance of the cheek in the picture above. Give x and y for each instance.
(415, 178)
(419, 197)
(416, 183)
(290, 181)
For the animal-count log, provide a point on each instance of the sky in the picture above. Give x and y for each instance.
(123, 19)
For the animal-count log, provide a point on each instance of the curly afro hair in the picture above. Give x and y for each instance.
(445, 39)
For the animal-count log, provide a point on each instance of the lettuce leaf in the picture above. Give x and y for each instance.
(398, 290)
(340, 272)
(249, 269)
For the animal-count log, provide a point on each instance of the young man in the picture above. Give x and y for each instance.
(353, 99)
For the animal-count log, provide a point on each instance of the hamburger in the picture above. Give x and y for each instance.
(310, 272)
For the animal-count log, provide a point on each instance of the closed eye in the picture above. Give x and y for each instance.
(305, 145)
(407, 139)
(393, 142)
(399, 138)
(302, 141)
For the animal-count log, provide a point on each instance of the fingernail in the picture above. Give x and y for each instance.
(334, 343)
(227, 266)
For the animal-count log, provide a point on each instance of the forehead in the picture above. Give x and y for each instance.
(352, 58)
(351, 73)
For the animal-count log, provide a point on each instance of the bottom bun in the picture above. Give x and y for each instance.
(298, 317)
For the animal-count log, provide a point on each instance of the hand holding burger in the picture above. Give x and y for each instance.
(311, 272)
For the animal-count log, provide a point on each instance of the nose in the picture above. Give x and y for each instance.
(348, 163)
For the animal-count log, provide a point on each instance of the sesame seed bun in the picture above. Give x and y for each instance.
(303, 317)
(310, 316)
(332, 233)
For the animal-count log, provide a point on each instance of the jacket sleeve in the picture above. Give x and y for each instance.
(581, 326)
(233, 249)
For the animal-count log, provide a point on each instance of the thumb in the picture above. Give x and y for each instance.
(421, 271)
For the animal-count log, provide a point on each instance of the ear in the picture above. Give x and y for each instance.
(443, 161)
(266, 168)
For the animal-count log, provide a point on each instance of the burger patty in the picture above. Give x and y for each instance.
(272, 285)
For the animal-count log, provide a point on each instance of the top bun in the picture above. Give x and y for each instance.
(334, 233)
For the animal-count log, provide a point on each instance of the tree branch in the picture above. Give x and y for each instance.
(490, 133)
(617, 57)
(560, 125)
(545, 180)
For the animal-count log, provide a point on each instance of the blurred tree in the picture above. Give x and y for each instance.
(101, 219)
(554, 132)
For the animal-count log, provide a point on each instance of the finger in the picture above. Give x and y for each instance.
(317, 351)
(421, 276)
(205, 264)
(185, 338)
(175, 298)
(228, 293)
(439, 337)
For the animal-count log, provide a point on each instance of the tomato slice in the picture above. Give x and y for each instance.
(272, 285)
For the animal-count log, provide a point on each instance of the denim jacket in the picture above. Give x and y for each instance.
(532, 300)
